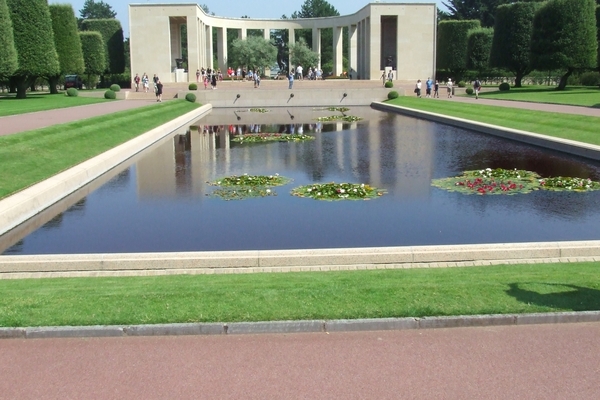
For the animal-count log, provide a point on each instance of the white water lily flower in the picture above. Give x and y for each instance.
(268, 190)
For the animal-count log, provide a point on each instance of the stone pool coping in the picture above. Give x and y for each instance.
(563, 145)
(18, 208)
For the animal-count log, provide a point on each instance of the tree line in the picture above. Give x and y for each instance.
(38, 40)
(519, 37)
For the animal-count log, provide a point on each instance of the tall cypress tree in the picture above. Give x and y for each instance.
(452, 45)
(8, 53)
(67, 42)
(92, 46)
(565, 37)
(512, 38)
(34, 41)
(112, 34)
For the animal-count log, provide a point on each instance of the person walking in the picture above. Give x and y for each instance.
(291, 79)
(418, 88)
(428, 85)
(198, 75)
(477, 87)
(449, 87)
(436, 89)
(137, 80)
(159, 90)
(299, 72)
(145, 82)
(213, 80)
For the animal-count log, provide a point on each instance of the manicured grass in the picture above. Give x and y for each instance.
(33, 156)
(298, 296)
(572, 95)
(9, 105)
(567, 126)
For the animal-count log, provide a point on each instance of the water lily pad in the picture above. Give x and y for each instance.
(271, 137)
(338, 191)
(490, 181)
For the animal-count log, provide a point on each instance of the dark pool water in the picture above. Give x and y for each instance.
(159, 203)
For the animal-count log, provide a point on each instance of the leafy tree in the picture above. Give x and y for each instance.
(512, 39)
(452, 46)
(483, 10)
(34, 42)
(565, 37)
(67, 42)
(8, 53)
(112, 34)
(92, 46)
(253, 52)
(302, 55)
(96, 10)
(317, 9)
(598, 30)
(478, 49)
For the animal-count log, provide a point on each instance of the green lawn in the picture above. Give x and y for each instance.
(297, 296)
(9, 105)
(572, 95)
(33, 156)
(567, 126)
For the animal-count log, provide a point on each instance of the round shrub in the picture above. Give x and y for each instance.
(469, 90)
(388, 84)
(72, 92)
(193, 86)
(191, 97)
(462, 84)
(392, 95)
(115, 88)
(110, 94)
(504, 87)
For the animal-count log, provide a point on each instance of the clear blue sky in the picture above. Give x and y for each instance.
(238, 8)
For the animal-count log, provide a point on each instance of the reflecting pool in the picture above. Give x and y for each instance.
(161, 201)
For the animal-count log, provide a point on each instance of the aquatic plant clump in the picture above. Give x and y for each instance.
(339, 109)
(345, 118)
(251, 181)
(338, 191)
(242, 192)
(507, 181)
(271, 137)
(259, 110)
(490, 181)
(560, 183)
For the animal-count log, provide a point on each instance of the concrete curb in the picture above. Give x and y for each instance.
(309, 326)
(23, 205)
(563, 145)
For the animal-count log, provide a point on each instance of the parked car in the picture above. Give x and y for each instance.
(73, 81)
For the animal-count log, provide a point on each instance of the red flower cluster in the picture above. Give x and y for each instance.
(484, 187)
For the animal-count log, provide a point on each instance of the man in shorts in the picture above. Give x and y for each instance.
(449, 88)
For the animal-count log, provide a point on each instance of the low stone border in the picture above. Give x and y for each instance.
(310, 326)
(25, 204)
(564, 145)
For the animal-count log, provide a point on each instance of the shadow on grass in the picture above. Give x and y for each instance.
(559, 296)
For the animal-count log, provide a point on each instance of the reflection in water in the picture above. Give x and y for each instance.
(161, 202)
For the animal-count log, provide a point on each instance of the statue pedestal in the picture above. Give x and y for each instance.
(179, 75)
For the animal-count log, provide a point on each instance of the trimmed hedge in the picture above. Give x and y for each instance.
(469, 90)
(72, 92)
(193, 86)
(115, 88)
(66, 39)
(392, 95)
(8, 53)
(388, 84)
(191, 97)
(114, 48)
(504, 87)
(452, 45)
(92, 46)
(479, 45)
(462, 84)
(110, 94)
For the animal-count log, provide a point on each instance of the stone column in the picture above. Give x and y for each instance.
(193, 47)
(374, 31)
(338, 65)
(316, 44)
(242, 34)
(222, 48)
(209, 46)
(267, 36)
(352, 52)
(291, 42)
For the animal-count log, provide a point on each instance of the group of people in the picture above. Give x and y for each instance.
(430, 85)
(144, 82)
(312, 74)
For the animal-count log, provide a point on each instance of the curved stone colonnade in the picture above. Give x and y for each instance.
(380, 34)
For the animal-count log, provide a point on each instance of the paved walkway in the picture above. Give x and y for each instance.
(42, 119)
(517, 362)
